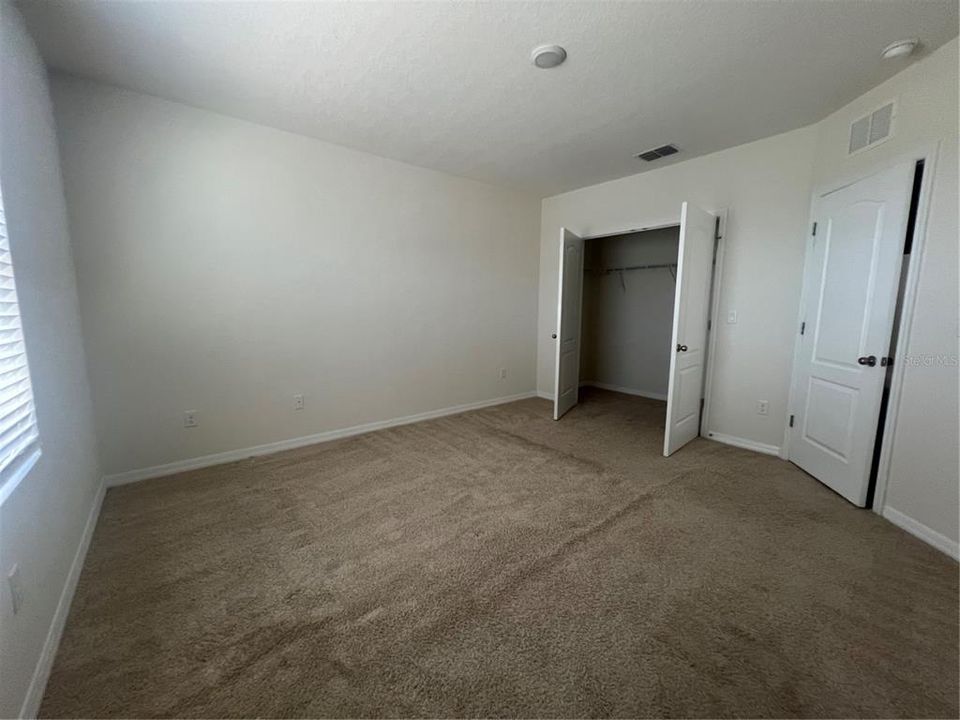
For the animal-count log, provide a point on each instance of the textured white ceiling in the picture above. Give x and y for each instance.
(449, 85)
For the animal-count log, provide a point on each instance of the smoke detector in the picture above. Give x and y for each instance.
(899, 49)
(548, 56)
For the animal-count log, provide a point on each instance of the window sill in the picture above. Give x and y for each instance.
(15, 474)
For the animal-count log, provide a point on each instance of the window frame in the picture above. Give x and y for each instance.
(24, 457)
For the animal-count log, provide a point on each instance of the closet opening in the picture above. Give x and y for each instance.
(642, 325)
(629, 291)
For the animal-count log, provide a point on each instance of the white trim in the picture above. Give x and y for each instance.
(907, 308)
(744, 443)
(716, 280)
(131, 476)
(19, 469)
(545, 395)
(795, 357)
(41, 673)
(624, 390)
(630, 231)
(922, 151)
(919, 530)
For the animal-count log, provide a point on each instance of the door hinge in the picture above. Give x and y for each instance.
(803, 326)
(709, 324)
(814, 231)
(791, 421)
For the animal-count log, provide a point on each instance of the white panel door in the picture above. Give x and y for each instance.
(691, 309)
(568, 323)
(851, 278)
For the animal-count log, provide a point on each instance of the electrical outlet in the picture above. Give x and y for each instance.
(16, 589)
(298, 402)
(190, 419)
(732, 317)
(761, 407)
(503, 373)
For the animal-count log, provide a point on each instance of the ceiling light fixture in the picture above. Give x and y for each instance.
(899, 49)
(548, 56)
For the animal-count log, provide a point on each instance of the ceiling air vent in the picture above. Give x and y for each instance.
(657, 153)
(871, 129)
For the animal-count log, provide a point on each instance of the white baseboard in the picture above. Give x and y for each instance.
(744, 443)
(624, 390)
(41, 673)
(918, 529)
(203, 461)
(545, 395)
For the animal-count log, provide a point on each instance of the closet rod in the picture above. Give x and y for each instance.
(632, 267)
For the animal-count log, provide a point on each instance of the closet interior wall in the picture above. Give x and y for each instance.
(627, 316)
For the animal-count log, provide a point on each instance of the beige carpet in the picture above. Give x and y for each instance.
(500, 564)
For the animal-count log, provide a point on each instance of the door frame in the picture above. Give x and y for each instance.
(713, 327)
(929, 153)
(715, 294)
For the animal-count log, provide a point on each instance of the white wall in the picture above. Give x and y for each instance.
(924, 483)
(627, 324)
(766, 187)
(224, 267)
(42, 522)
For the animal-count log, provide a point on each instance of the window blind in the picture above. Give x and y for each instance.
(18, 424)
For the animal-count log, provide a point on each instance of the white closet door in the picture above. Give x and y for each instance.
(850, 292)
(567, 387)
(690, 313)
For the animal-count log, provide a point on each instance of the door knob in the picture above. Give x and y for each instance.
(553, 335)
(870, 360)
(681, 348)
